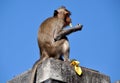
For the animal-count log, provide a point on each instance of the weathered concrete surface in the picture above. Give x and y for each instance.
(56, 71)
(22, 78)
(117, 81)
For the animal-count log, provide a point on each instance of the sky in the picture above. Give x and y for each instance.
(97, 46)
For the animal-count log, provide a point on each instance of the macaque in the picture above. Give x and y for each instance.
(52, 39)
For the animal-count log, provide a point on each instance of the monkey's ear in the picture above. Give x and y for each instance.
(55, 13)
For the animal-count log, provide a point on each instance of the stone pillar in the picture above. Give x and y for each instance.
(56, 71)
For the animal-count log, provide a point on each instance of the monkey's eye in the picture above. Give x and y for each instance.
(68, 14)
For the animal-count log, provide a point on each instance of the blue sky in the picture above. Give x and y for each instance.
(97, 46)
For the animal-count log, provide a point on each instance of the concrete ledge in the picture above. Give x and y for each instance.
(56, 71)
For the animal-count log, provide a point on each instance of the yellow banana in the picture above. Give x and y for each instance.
(76, 66)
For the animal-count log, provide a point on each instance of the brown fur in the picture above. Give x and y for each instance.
(47, 33)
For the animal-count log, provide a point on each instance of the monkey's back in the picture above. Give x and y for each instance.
(48, 29)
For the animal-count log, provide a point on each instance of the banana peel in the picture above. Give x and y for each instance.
(76, 66)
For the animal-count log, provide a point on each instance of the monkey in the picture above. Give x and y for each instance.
(48, 31)
(52, 41)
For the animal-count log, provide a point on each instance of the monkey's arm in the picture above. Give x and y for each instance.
(68, 31)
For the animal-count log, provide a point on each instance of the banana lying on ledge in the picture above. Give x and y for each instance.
(76, 66)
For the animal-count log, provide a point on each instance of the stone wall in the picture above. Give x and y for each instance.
(56, 71)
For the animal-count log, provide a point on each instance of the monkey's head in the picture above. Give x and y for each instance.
(64, 14)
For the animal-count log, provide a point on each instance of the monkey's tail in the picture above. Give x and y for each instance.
(33, 71)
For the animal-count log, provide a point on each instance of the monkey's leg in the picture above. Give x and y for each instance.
(66, 56)
(66, 51)
(63, 49)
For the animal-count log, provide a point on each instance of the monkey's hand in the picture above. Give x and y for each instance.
(68, 31)
(79, 25)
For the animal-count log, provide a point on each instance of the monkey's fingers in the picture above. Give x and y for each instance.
(79, 25)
